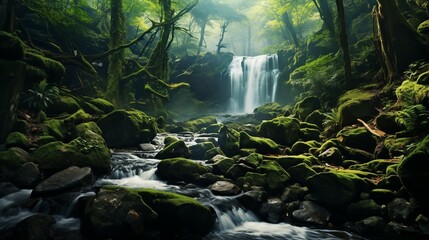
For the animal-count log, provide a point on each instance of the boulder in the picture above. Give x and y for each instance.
(267, 111)
(54, 70)
(253, 199)
(276, 176)
(253, 160)
(196, 125)
(174, 150)
(310, 212)
(118, 213)
(301, 147)
(249, 129)
(229, 141)
(223, 165)
(358, 138)
(283, 130)
(224, 188)
(123, 128)
(180, 217)
(402, 211)
(375, 166)
(13, 158)
(356, 104)
(238, 170)
(180, 169)
(87, 151)
(308, 134)
(36, 227)
(394, 230)
(292, 160)
(306, 106)
(63, 181)
(300, 173)
(17, 139)
(272, 210)
(199, 150)
(80, 129)
(102, 104)
(387, 123)
(293, 193)
(27, 176)
(317, 118)
(64, 104)
(332, 156)
(363, 209)
(413, 171)
(371, 226)
(262, 145)
(381, 195)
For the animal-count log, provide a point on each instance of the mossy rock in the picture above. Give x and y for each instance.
(229, 141)
(413, 93)
(358, 155)
(213, 128)
(413, 171)
(11, 47)
(333, 142)
(123, 128)
(375, 166)
(300, 173)
(180, 217)
(386, 122)
(253, 179)
(170, 139)
(21, 126)
(174, 150)
(223, 165)
(308, 134)
(83, 127)
(392, 170)
(102, 104)
(317, 118)
(332, 156)
(267, 111)
(301, 147)
(363, 209)
(333, 190)
(249, 129)
(180, 169)
(199, 150)
(262, 145)
(196, 125)
(289, 161)
(90, 108)
(397, 146)
(64, 129)
(64, 104)
(283, 130)
(356, 104)
(117, 213)
(42, 140)
(306, 106)
(238, 171)
(54, 69)
(277, 177)
(358, 138)
(253, 160)
(86, 151)
(17, 139)
(13, 158)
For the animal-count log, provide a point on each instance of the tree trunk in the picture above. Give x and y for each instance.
(288, 23)
(344, 43)
(7, 16)
(116, 60)
(222, 36)
(202, 33)
(326, 15)
(398, 43)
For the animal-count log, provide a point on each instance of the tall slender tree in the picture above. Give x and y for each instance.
(344, 42)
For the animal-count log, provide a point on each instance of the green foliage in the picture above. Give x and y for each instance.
(415, 119)
(319, 77)
(331, 123)
(39, 98)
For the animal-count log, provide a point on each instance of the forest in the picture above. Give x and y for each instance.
(214, 119)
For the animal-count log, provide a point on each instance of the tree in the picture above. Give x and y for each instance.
(344, 42)
(397, 42)
(326, 15)
(116, 59)
(223, 27)
(289, 26)
(7, 15)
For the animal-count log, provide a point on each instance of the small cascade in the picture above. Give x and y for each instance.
(253, 82)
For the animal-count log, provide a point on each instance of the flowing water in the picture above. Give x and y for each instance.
(137, 170)
(253, 82)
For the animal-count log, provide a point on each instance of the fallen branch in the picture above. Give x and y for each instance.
(374, 131)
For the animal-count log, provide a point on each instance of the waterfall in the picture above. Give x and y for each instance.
(253, 82)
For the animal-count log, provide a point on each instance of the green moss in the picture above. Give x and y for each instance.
(180, 169)
(262, 145)
(199, 123)
(42, 140)
(358, 138)
(64, 104)
(123, 128)
(78, 117)
(412, 93)
(300, 173)
(229, 141)
(283, 130)
(289, 161)
(253, 160)
(397, 146)
(17, 139)
(267, 111)
(102, 104)
(13, 158)
(199, 150)
(306, 106)
(308, 134)
(277, 177)
(386, 122)
(375, 166)
(170, 139)
(300, 147)
(58, 129)
(222, 166)
(317, 118)
(174, 150)
(87, 151)
(54, 69)
(392, 170)
(252, 179)
(83, 127)
(356, 104)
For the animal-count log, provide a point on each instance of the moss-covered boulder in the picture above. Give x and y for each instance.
(413, 93)
(64, 129)
(117, 213)
(375, 166)
(180, 169)
(332, 156)
(223, 165)
(253, 179)
(356, 104)
(387, 122)
(238, 170)
(306, 106)
(229, 141)
(123, 128)
(196, 125)
(13, 158)
(292, 160)
(262, 145)
(80, 129)
(317, 118)
(397, 146)
(413, 171)
(102, 104)
(17, 139)
(174, 150)
(300, 173)
(267, 111)
(252, 160)
(363, 209)
(199, 150)
(333, 190)
(53, 69)
(283, 130)
(180, 217)
(89, 150)
(277, 177)
(358, 138)
(11, 47)
(308, 134)
(64, 104)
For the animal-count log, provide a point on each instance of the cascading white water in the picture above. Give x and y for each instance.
(253, 82)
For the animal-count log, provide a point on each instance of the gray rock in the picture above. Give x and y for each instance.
(253, 199)
(147, 147)
(35, 227)
(27, 176)
(225, 188)
(273, 210)
(310, 212)
(402, 211)
(372, 226)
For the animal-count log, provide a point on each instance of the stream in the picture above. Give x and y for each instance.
(136, 169)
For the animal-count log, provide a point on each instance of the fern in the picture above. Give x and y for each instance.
(414, 118)
(39, 98)
(331, 124)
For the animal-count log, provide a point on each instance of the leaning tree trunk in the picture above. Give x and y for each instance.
(288, 23)
(398, 43)
(116, 60)
(344, 43)
(202, 33)
(222, 36)
(326, 15)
